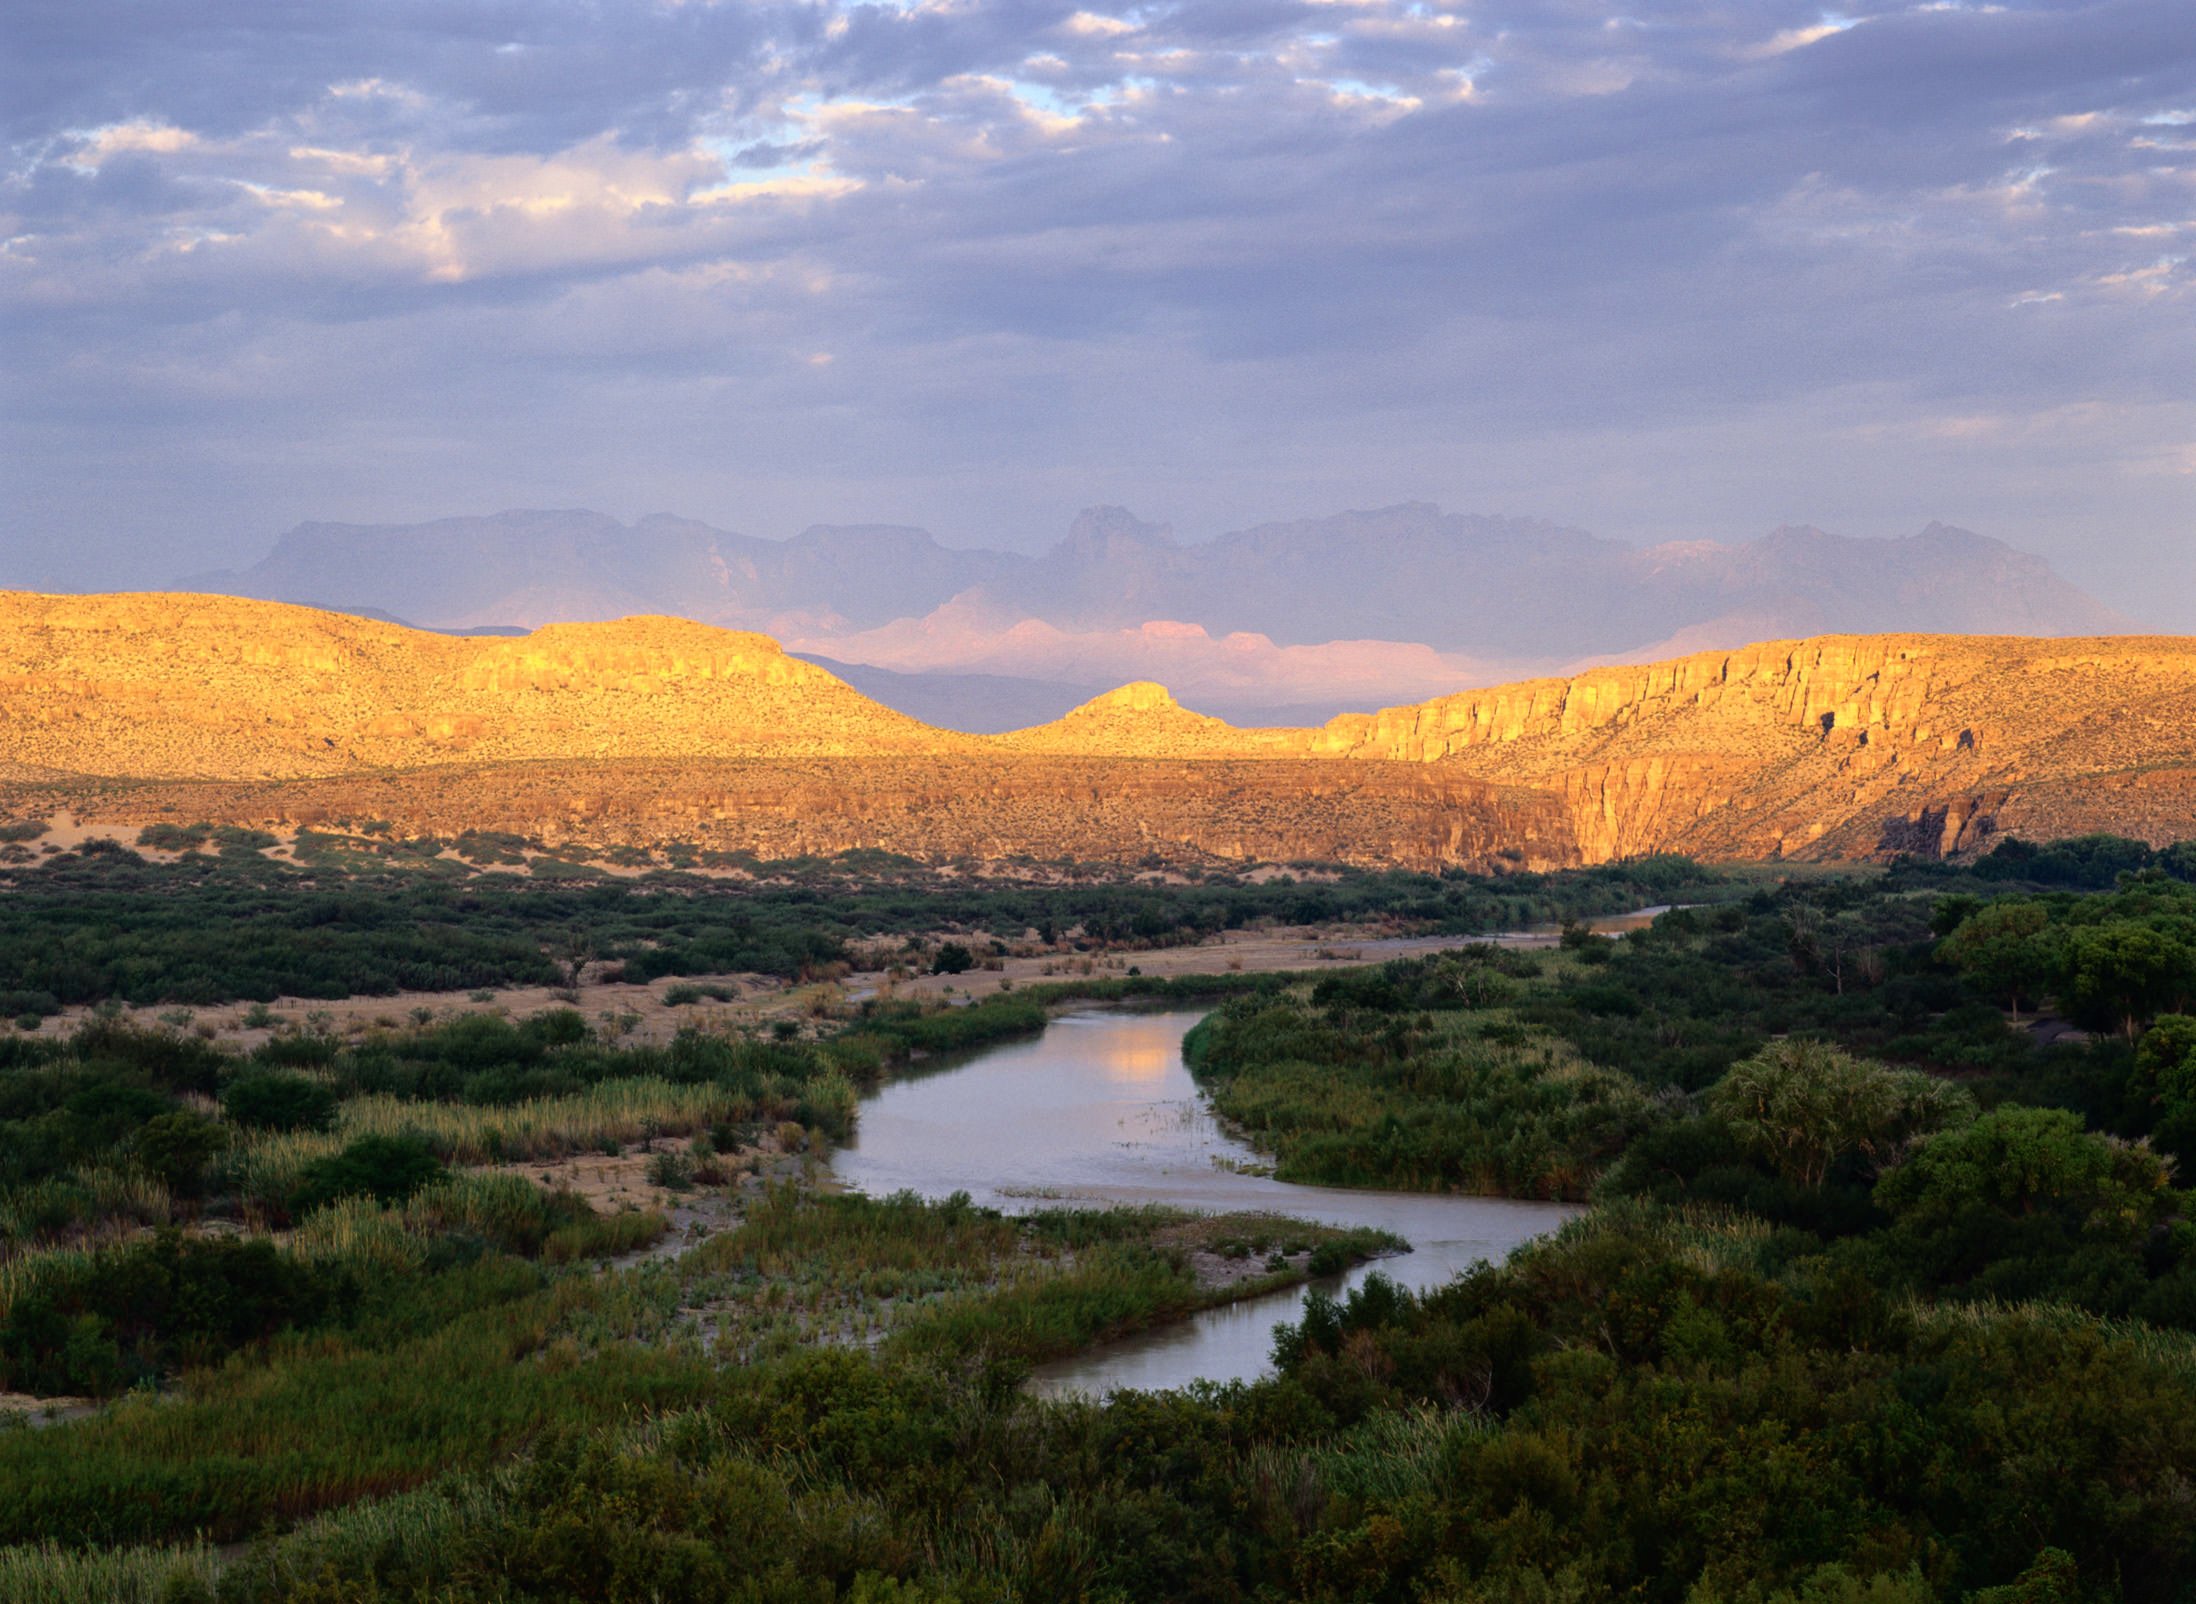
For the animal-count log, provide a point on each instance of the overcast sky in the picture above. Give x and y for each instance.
(1683, 270)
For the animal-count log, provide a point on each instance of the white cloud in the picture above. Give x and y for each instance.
(93, 148)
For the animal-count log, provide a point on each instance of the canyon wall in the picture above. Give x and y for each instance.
(1840, 746)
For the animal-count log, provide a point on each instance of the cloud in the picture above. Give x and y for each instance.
(420, 255)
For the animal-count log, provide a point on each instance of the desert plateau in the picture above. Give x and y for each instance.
(643, 732)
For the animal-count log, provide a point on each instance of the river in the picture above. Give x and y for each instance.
(1100, 1109)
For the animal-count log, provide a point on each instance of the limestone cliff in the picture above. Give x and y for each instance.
(1844, 746)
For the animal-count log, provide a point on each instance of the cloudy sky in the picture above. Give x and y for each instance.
(1669, 270)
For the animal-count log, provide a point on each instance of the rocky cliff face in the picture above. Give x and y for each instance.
(1844, 746)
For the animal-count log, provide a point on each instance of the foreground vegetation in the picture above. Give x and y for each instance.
(1886, 1295)
(1641, 1407)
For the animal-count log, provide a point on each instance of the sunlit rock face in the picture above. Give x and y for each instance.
(658, 729)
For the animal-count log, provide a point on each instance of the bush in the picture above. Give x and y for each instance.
(176, 1148)
(674, 1172)
(97, 1322)
(388, 1169)
(272, 1101)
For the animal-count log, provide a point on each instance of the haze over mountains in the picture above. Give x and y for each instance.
(1286, 622)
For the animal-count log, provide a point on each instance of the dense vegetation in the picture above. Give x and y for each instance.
(1640, 1408)
(1525, 1072)
(1886, 1295)
(105, 923)
(114, 1130)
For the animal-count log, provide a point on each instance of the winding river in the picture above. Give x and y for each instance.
(1100, 1109)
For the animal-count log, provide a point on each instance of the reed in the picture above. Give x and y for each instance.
(615, 1112)
(48, 1573)
(507, 1210)
(23, 1271)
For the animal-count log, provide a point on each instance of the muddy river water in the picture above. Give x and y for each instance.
(1100, 1109)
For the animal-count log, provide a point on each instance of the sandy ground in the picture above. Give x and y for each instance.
(35, 1412)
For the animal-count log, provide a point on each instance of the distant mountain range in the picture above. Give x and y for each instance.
(1286, 621)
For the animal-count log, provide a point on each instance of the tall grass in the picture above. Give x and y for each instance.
(405, 1536)
(613, 1113)
(507, 1210)
(88, 1206)
(324, 1421)
(47, 1573)
(19, 1274)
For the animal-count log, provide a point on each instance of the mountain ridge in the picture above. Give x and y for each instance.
(1832, 746)
(1377, 605)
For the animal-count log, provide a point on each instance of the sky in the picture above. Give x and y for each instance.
(1664, 271)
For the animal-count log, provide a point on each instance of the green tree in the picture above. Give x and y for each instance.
(2120, 974)
(1801, 1106)
(2018, 1162)
(2003, 948)
(2165, 1062)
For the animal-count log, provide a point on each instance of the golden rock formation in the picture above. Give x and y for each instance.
(210, 687)
(1143, 719)
(653, 729)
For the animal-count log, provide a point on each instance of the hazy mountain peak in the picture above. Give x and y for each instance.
(1105, 534)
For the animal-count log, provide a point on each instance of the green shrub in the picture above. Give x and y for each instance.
(388, 1169)
(1803, 1106)
(94, 1323)
(272, 1101)
(176, 1148)
(674, 1172)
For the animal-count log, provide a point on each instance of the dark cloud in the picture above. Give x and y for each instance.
(1695, 269)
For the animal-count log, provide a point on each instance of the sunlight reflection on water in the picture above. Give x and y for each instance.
(1101, 1109)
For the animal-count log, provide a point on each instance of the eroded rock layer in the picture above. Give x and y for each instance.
(656, 729)
(987, 808)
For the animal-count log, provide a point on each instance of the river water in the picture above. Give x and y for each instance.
(1100, 1109)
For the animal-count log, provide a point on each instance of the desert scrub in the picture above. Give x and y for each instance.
(687, 994)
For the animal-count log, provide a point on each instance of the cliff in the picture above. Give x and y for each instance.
(1837, 746)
